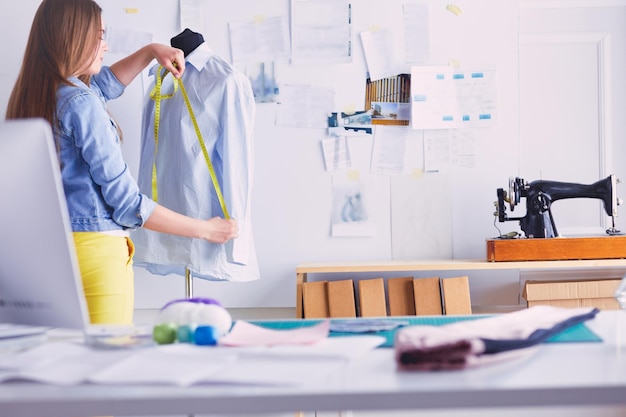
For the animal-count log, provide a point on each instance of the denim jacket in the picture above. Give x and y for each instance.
(100, 191)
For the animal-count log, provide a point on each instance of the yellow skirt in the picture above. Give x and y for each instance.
(106, 267)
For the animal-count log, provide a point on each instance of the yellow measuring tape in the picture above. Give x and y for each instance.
(156, 95)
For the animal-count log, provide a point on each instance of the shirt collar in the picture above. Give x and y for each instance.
(200, 56)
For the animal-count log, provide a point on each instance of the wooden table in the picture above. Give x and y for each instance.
(304, 269)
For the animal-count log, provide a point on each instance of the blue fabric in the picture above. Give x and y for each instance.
(538, 336)
(101, 193)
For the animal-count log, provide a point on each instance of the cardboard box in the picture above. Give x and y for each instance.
(341, 298)
(427, 295)
(372, 301)
(315, 299)
(583, 293)
(400, 296)
(456, 295)
(404, 296)
(556, 249)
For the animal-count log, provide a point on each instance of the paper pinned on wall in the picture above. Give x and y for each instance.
(389, 153)
(264, 81)
(463, 148)
(259, 40)
(321, 31)
(450, 98)
(304, 106)
(124, 41)
(378, 48)
(336, 153)
(351, 211)
(449, 147)
(416, 20)
(190, 15)
(436, 150)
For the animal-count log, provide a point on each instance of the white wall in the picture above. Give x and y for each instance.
(292, 194)
(292, 191)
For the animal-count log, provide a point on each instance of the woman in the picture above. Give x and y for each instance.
(62, 80)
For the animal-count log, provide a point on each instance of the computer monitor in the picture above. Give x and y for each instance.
(40, 281)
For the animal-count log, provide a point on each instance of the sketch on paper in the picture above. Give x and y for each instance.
(351, 213)
(262, 77)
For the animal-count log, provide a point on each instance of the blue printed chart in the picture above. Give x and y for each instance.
(452, 98)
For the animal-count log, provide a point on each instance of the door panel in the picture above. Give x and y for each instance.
(567, 132)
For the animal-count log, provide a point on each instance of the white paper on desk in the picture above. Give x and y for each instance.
(257, 370)
(185, 365)
(40, 355)
(286, 365)
(66, 363)
(61, 363)
(15, 330)
(14, 338)
(339, 347)
(178, 364)
(244, 333)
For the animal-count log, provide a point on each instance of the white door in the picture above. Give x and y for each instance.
(572, 57)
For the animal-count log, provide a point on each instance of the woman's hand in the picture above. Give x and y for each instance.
(172, 59)
(220, 230)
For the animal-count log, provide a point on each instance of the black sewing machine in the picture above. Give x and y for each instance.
(538, 221)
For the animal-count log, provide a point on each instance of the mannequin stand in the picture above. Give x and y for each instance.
(188, 294)
(188, 283)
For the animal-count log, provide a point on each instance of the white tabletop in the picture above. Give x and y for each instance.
(562, 374)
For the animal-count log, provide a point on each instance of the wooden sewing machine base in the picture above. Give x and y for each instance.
(555, 249)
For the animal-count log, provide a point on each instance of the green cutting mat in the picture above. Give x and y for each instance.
(576, 334)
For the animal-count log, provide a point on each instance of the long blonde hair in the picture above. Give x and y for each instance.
(63, 37)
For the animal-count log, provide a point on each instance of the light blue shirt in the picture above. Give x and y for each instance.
(223, 103)
(101, 193)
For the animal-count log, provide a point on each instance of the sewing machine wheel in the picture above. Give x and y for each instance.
(514, 193)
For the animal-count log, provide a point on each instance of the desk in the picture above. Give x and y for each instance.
(302, 270)
(558, 374)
